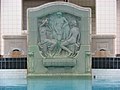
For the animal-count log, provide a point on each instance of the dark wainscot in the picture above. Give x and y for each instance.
(13, 63)
(97, 63)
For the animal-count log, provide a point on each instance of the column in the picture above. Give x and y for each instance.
(118, 27)
(106, 16)
(11, 18)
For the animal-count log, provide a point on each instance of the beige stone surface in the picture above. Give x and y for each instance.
(16, 54)
(102, 54)
(106, 42)
(12, 42)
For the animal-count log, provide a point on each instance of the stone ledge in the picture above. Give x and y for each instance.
(14, 37)
(103, 36)
(59, 62)
(62, 75)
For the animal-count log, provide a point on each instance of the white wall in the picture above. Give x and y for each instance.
(113, 74)
(13, 73)
(13, 77)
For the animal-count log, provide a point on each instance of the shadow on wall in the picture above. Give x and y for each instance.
(16, 53)
(102, 53)
(1, 56)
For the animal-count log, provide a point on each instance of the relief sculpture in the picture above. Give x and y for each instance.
(59, 35)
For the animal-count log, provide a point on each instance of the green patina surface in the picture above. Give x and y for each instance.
(59, 40)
